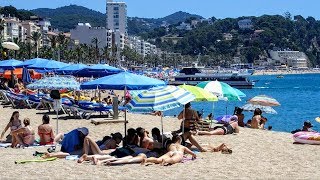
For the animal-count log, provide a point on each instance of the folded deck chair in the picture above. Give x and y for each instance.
(3, 96)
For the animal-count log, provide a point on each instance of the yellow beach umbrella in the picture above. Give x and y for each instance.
(199, 93)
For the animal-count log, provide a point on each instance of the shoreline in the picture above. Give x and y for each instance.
(284, 72)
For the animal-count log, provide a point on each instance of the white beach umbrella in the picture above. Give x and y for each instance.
(10, 45)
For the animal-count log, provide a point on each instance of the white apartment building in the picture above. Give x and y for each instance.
(142, 47)
(30, 27)
(116, 16)
(294, 59)
(45, 26)
(11, 29)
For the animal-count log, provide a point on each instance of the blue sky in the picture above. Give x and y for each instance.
(205, 8)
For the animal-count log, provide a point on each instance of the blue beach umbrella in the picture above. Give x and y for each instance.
(26, 78)
(47, 65)
(71, 69)
(55, 83)
(30, 62)
(98, 70)
(123, 81)
(9, 64)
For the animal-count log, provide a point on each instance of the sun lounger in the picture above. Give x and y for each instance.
(18, 99)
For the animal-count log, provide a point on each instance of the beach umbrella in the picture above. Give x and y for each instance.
(252, 107)
(123, 81)
(9, 64)
(55, 83)
(47, 65)
(71, 69)
(160, 99)
(220, 89)
(98, 70)
(30, 62)
(264, 100)
(240, 93)
(199, 93)
(10, 45)
(26, 77)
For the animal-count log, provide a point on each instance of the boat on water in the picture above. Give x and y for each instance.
(195, 75)
(280, 76)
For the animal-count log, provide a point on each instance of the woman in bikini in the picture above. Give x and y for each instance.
(174, 155)
(23, 136)
(256, 119)
(189, 116)
(14, 124)
(45, 131)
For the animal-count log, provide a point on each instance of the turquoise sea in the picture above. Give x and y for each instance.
(299, 96)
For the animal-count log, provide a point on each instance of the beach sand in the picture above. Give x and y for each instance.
(257, 154)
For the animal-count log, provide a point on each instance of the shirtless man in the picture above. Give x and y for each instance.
(145, 140)
(256, 119)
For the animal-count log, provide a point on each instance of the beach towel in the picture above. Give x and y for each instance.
(5, 145)
(72, 157)
(35, 160)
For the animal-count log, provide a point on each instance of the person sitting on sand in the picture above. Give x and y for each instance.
(45, 131)
(132, 138)
(145, 140)
(256, 119)
(14, 124)
(228, 128)
(23, 136)
(189, 116)
(174, 155)
(238, 112)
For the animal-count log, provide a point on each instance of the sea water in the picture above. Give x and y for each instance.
(299, 96)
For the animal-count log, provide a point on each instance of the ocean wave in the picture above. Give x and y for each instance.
(261, 87)
(296, 87)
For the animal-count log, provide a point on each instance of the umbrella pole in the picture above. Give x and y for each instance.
(57, 121)
(184, 117)
(125, 114)
(162, 127)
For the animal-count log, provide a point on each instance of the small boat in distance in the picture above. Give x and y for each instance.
(280, 76)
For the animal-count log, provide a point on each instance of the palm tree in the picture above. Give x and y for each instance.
(2, 23)
(29, 49)
(61, 40)
(106, 53)
(79, 52)
(95, 41)
(35, 36)
(53, 40)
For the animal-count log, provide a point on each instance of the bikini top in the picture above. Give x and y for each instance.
(15, 127)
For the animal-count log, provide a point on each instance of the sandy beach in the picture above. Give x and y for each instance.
(285, 72)
(257, 154)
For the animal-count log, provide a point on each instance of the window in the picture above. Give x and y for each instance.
(116, 16)
(116, 8)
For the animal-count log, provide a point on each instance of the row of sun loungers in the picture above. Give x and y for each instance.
(83, 109)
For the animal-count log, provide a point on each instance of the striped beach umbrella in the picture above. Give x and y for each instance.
(160, 99)
(264, 100)
(220, 89)
(252, 107)
(55, 83)
(199, 93)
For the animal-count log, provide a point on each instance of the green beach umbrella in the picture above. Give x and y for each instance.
(199, 93)
(221, 89)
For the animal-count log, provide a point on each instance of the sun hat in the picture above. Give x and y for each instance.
(84, 130)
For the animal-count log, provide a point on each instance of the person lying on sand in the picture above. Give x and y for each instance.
(228, 128)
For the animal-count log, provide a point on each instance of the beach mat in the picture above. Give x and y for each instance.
(5, 145)
(35, 160)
